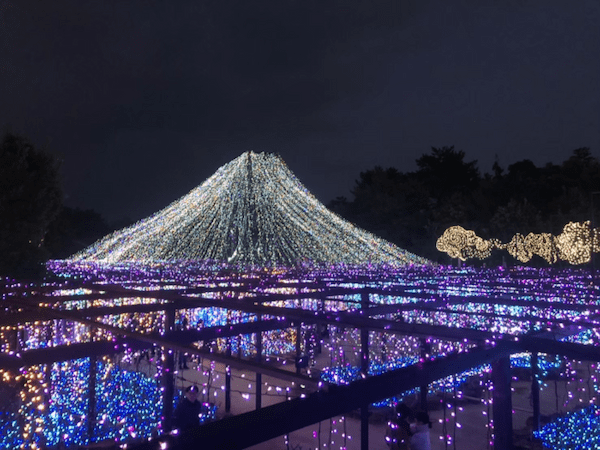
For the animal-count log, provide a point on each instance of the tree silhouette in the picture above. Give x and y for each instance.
(30, 198)
(73, 230)
(445, 172)
(413, 209)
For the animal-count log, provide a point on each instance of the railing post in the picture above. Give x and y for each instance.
(364, 368)
(535, 390)
(228, 380)
(502, 406)
(258, 374)
(298, 348)
(168, 374)
(91, 412)
(424, 388)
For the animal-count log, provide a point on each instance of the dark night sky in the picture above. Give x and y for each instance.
(145, 99)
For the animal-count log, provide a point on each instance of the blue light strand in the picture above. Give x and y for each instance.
(128, 405)
(578, 430)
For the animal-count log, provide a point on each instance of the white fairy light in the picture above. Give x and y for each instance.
(252, 211)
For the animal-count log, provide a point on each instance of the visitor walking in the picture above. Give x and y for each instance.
(398, 434)
(187, 413)
(182, 355)
(421, 440)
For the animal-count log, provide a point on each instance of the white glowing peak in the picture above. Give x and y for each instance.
(253, 211)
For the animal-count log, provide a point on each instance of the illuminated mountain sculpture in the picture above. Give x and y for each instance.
(252, 211)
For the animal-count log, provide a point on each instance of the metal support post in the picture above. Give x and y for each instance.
(424, 388)
(298, 348)
(91, 412)
(535, 390)
(228, 380)
(502, 406)
(259, 375)
(168, 380)
(364, 368)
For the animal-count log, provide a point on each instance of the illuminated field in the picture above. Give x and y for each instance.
(496, 305)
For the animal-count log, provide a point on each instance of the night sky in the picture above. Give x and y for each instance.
(144, 100)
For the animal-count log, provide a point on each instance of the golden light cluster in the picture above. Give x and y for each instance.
(574, 245)
(32, 405)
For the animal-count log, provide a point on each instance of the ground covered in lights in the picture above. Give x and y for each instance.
(128, 405)
(577, 430)
(52, 407)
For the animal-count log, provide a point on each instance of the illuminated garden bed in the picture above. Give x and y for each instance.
(498, 303)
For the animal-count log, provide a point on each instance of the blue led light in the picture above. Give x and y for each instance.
(128, 405)
(578, 430)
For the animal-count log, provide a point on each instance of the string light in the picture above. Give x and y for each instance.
(128, 405)
(576, 430)
(511, 302)
(252, 211)
(252, 230)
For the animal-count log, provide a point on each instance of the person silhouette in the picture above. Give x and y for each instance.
(421, 440)
(187, 413)
(398, 434)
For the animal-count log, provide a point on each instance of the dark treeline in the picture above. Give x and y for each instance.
(35, 226)
(73, 230)
(30, 199)
(413, 209)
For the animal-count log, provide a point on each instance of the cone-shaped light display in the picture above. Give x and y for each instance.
(252, 211)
